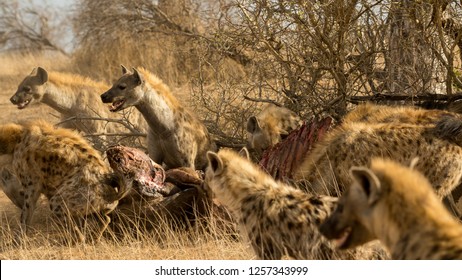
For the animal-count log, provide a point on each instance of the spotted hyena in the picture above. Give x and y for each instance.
(277, 218)
(176, 137)
(446, 126)
(269, 127)
(76, 98)
(325, 169)
(398, 206)
(63, 166)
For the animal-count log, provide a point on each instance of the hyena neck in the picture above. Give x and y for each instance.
(159, 115)
(59, 99)
(397, 233)
(389, 235)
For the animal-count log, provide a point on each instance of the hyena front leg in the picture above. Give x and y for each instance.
(105, 220)
(11, 186)
(69, 224)
(76, 203)
(62, 205)
(31, 195)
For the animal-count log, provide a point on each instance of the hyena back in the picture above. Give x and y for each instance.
(371, 113)
(325, 169)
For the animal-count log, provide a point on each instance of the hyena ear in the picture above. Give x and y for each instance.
(367, 182)
(244, 153)
(253, 125)
(138, 77)
(41, 75)
(124, 69)
(215, 162)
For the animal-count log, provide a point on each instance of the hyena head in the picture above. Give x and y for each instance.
(349, 224)
(224, 178)
(262, 135)
(125, 92)
(270, 127)
(31, 89)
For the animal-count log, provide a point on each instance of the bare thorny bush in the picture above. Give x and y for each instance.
(28, 28)
(227, 57)
(133, 137)
(311, 56)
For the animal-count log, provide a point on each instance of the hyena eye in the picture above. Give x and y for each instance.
(122, 86)
(27, 89)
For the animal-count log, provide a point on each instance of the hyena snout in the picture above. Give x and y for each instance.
(106, 97)
(21, 100)
(326, 228)
(14, 99)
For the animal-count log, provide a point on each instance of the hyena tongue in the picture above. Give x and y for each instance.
(339, 242)
(116, 105)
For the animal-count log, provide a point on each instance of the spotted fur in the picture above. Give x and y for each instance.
(325, 169)
(63, 166)
(277, 218)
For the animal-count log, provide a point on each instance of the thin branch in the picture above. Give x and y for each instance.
(120, 121)
(263, 100)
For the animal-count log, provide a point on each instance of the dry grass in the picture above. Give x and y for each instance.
(46, 240)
